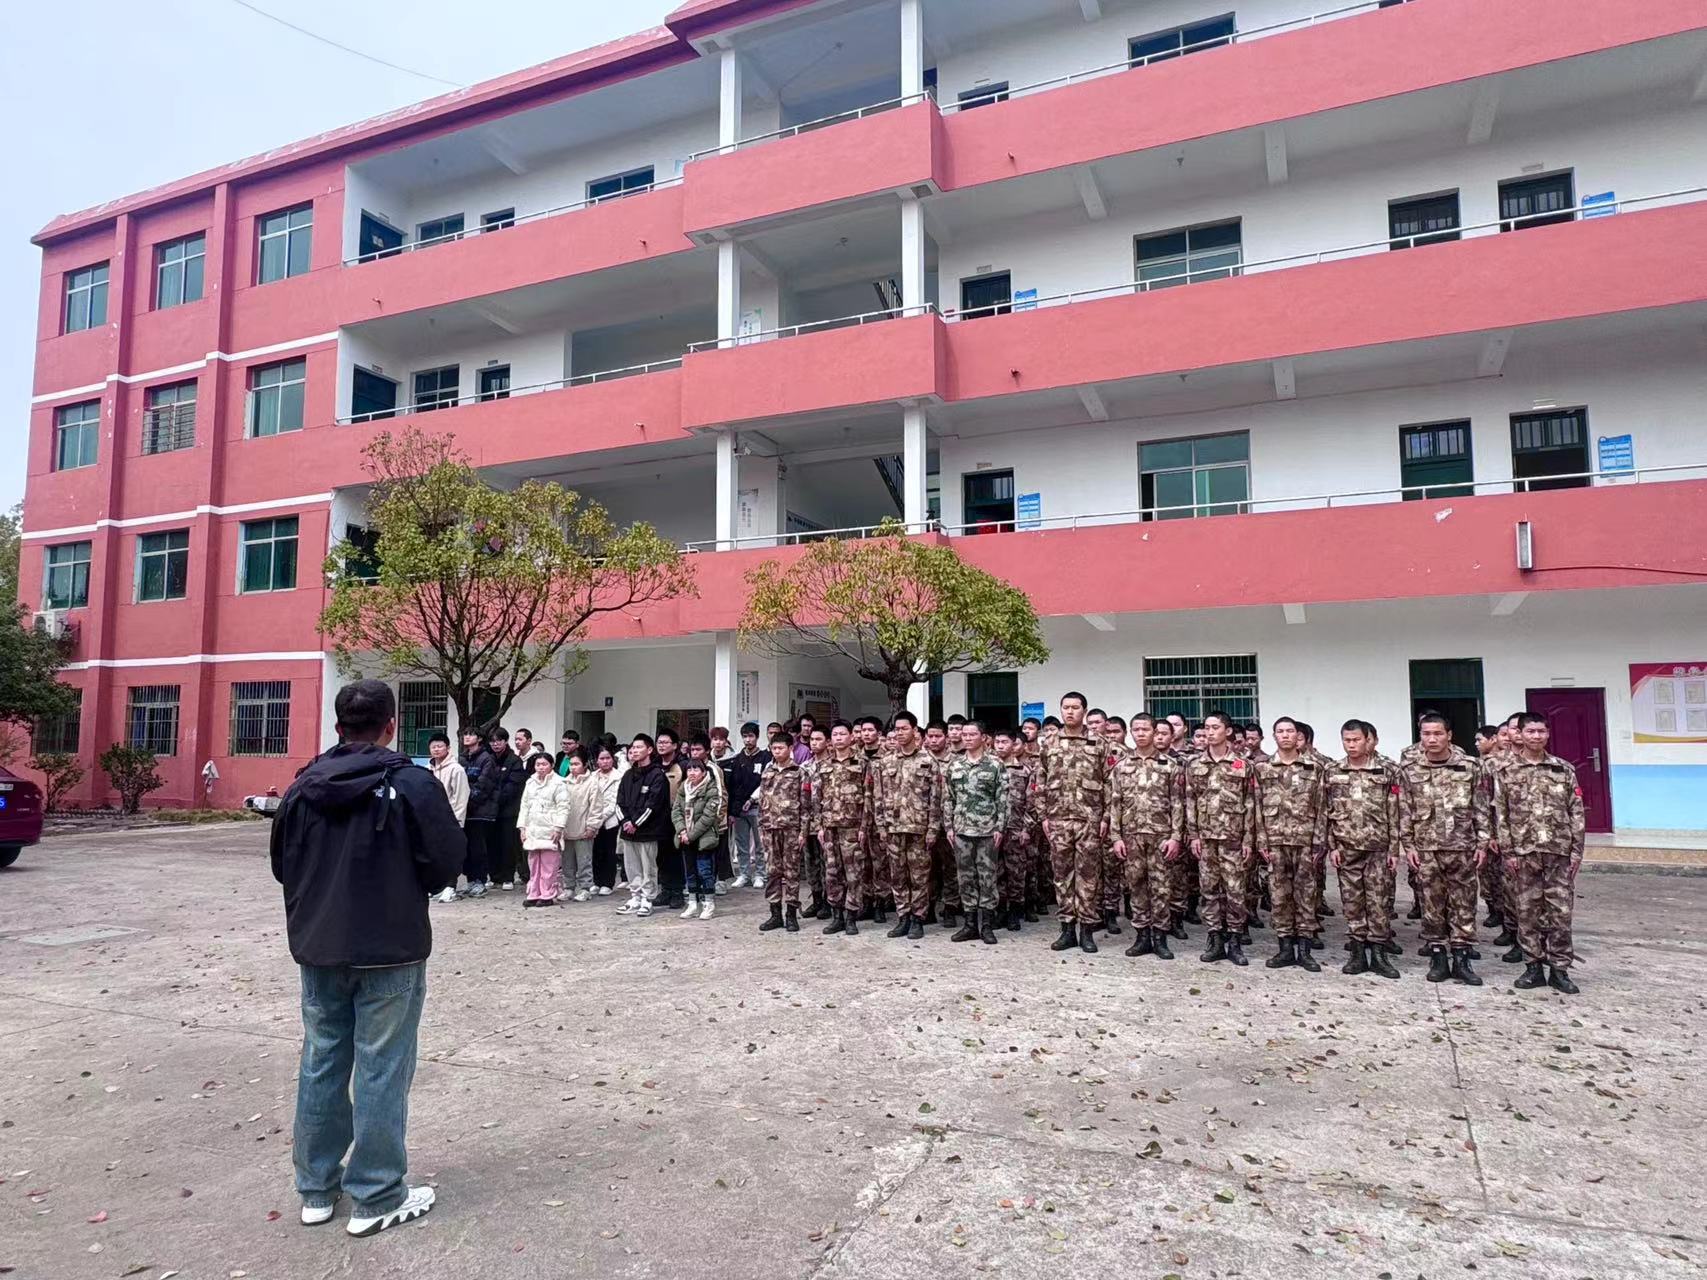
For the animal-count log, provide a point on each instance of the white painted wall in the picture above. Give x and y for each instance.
(534, 358)
(622, 346)
(681, 508)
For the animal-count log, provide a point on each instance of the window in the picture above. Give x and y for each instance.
(993, 697)
(1208, 476)
(990, 295)
(65, 576)
(376, 238)
(988, 501)
(286, 239)
(76, 435)
(275, 397)
(436, 388)
(86, 298)
(260, 718)
(1434, 461)
(178, 271)
(440, 229)
(620, 184)
(1193, 38)
(495, 382)
(1190, 255)
(423, 709)
(162, 566)
(372, 396)
(268, 555)
(169, 422)
(1537, 202)
(498, 219)
(1550, 444)
(152, 719)
(62, 734)
(984, 95)
(1193, 687)
(1423, 220)
(363, 561)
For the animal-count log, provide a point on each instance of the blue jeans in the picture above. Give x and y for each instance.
(361, 1022)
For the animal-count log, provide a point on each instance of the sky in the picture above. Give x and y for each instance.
(108, 97)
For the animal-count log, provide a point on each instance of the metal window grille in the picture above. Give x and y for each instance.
(61, 733)
(1531, 433)
(152, 719)
(423, 709)
(260, 718)
(1193, 687)
(169, 425)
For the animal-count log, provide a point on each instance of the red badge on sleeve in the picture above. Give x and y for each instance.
(1579, 793)
(1238, 766)
(1395, 788)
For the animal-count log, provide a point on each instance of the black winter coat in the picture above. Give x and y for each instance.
(644, 793)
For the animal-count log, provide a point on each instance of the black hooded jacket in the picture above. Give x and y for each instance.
(360, 840)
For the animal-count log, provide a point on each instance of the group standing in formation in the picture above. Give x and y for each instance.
(1164, 823)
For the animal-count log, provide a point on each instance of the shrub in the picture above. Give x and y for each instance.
(131, 771)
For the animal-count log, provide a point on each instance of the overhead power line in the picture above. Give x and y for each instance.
(315, 35)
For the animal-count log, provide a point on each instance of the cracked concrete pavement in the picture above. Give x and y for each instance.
(626, 1098)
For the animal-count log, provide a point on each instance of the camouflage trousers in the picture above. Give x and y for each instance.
(1508, 888)
(944, 883)
(1148, 881)
(1182, 883)
(873, 865)
(843, 874)
(1292, 882)
(1075, 854)
(1447, 882)
(909, 873)
(782, 850)
(1256, 880)
(1545, 898)
(1364, 885)
(1016, 868)
(812, 868)
(1493, 884)
(1222, 875)
(1113, 877)
(975, 860)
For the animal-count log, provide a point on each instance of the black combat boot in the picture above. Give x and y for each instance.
(792, 923)
(1014, 917)
(1253, 921)
(1159, 944)
(1030, 913)
(822, 913)
(1351, 944)
(1391, 947)
(838, 921)
(868, 913)
(1069, 937)
(1312, 943)
(1507, 937)
(1178, 932)
(1265, 901)
(1217, 948)
(1244, 938)
(1533, 976)
(1306, 961)
(1087, 940)
(1474, 954)
(930, 914)
(1359, 962)
(949, 916)
(1461, 970)
(850, 923)
(1514, 956)
(1284, 957)
(1379, 963)
(1494, 920)
(1327, 910)
(1416, 912)
(812, 908)
(902, 922)
(1236, 954)
(1439, 965)
(1426, 948)
(1111, 923)
(775, 922)
(1142, 945)
(968, 932)
(878, 915)
(987, 928)
(1191, 916)
(1560, 981)
(915, 930)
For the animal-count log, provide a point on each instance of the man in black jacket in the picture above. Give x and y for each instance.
(512, 772)
(360, 841)
(744, 769)
(480, 826)
(643, 817)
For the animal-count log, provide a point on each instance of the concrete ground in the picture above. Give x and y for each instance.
(615, 1098)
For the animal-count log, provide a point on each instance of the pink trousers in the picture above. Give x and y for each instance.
(545, 877)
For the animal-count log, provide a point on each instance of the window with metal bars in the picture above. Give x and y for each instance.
(423, 709)
(151, 719)
(1549, 450)
(260, 718)
(62, 734)
(1434, 461)
(1424, 220)
(169, 422)
(1193, 687)
(1537, 202)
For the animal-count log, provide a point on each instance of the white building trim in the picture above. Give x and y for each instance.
(232, 356)
(204, 509)
(195, 659)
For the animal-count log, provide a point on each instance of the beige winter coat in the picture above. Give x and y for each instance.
(582, 816)
(545, 811)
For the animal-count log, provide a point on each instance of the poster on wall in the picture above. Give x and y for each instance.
(823, 705)
(746, 695)
(1668, 702)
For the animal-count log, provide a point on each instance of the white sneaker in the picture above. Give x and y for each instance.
(741, 881)
(722, 887)
(692, 913)
(314, 1214)
(644, 909)
(705, 912)
(629, 908)
(758, 882)
(582, 895)
(508, 885)
(604, 892)
(415, 1205)
(449, 895)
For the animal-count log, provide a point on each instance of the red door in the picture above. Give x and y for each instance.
(1578, 720)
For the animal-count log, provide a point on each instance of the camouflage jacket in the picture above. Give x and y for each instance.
(783, 796)
(905, 794)
(1218, 799)
(1146, 797)
(1538, 808)
(974, 796)
(1363, 807)
(1072, 778)
(1289, 803)
(1445, 805)
(1021, 777)
(838, 791)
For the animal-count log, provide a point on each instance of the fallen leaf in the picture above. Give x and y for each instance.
(1181, 1259)
(184, 1194)
(1225, 1197)
(609, 1235)
(1004, 1204)
(273, 1215)
(925, 1108)
(99, 1217)
(1152, 1151)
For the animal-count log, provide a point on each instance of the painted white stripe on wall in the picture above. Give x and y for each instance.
(194, 659)
(205, 509)
(131, 378)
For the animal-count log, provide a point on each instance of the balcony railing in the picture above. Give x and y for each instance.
(450, 402)
(816, 326)
(169, 427)
(800, 538)
(1215, 42)
(535, 216)
(822, 122)
(1198, 275)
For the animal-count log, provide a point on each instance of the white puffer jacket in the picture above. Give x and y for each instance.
(545, 808)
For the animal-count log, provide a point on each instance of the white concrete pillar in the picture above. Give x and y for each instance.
(915, 444)
(728, 291)
(919, 702)
(913, 292)
(723, 684)
(728, 490)
(729, 117)
(912, 48)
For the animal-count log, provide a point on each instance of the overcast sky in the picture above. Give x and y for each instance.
(107, 97)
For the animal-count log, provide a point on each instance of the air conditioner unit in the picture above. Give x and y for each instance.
(52, 623)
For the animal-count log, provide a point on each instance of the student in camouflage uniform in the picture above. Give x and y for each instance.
(975, 816)
(1362, 802)
(1072, 775)
(838, 816)
(1113, 871)
(1182, 871)
(1221, 821)
(1445, 821)
(1016, 870)
(1511, 742)
(874, 863)
(1146, 813)
(817, 744)
(1538, 821)
(905, 796)
(1291, 826)
(1489, 749)
(945, 883)
(783, 808)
